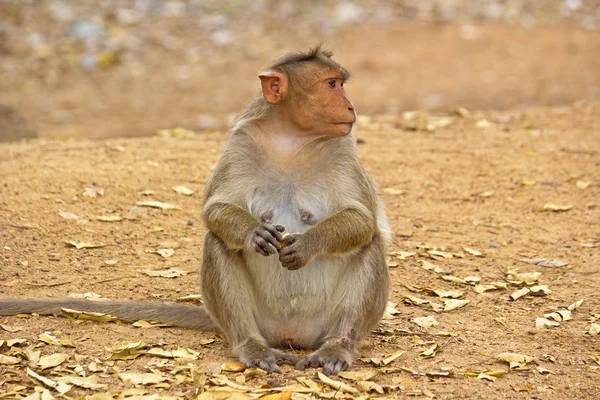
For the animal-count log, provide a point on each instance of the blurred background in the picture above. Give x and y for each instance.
(111, 68)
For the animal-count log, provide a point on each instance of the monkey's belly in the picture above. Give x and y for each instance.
(293, 309)
(304, 333)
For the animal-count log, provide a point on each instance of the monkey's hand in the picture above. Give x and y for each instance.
(265, 240)
(295, 251)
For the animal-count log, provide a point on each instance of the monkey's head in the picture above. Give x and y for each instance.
(307, 90)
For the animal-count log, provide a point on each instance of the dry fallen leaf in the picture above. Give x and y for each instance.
(69, 216)
(231, 366)
(183, 190)
(527, 278)
(554, 208)
(337, 385)
(128, 351)
(192, 297)
(60, 387)
(141, 379)
(359, 375)
(560, 315)
(431, 352)
(438, 254)
(473, 252)
(583, 184)
(149, 324)
(368, 386)
(52, 360)
(84, 245)
(541, 323)
(528, 182)
(93, 192)
(575, 305)
(544, 262)
(390, 311)
(109, 218)
(515, 360)
(539, 290)
(414, 300)
(88, 382)
(8, 360)
(165, 253)
(483, 124)
(453, 304)
(426, 322)
(157, 204)
(393, 191)
(594, 330)
(167, 273)
(88, 316)
(455, 279)
(181, 352)
(403, 255)
(177, 132)
(490, 286)
(517, 294)
(454, 294)
(483, 375)
(10, 328)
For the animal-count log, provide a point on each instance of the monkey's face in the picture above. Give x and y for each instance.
(322, 107)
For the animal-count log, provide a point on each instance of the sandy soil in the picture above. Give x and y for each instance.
(478, 183)
(462, 186)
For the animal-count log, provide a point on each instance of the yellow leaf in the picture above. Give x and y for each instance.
(167, 273)
(360, 375)
(515, 360)
(165, 253)
(84, 245)
(8, 360)
(583, 184)
(52, 360)
(473, 252)
(425, 322)
(109, 218)
(183, 190)
(157, 204)
(554, 208)
(431, 352)
(231, 366)
(141, 379)
(88, 316)
(128, 351)
(453, 304)
(337, 385)
(60, 387)
(517, 294)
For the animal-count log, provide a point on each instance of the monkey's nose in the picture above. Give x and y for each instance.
(351, 108)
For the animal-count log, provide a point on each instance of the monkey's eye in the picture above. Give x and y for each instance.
(331, 83)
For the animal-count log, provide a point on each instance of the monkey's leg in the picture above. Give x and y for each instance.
(359, 302)
(228, 295)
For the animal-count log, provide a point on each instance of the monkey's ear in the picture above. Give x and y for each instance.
(274, 86)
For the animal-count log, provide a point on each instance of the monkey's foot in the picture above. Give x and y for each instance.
(333, 359)
(256, 355)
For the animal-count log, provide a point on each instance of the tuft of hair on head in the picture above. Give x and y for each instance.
(299, 61)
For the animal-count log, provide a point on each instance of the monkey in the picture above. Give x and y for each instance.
(290, 166)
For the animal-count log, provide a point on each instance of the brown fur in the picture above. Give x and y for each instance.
(290, 164)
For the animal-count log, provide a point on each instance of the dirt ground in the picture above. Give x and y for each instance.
(477, 183)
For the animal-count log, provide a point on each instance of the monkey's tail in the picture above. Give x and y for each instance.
(182, 316)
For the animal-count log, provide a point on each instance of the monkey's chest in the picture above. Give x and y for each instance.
(287, 204)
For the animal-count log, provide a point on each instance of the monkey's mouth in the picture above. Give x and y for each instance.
(346, 127)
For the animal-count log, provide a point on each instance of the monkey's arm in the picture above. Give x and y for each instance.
(344, 231)
(231, 223)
